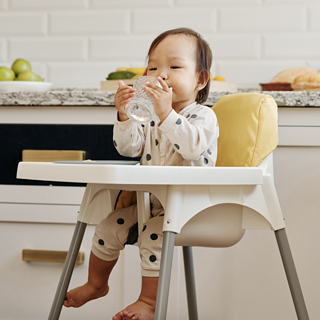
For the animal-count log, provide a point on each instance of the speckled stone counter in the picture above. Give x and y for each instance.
(282, 98)
(85, 97)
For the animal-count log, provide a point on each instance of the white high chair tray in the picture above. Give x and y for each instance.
(138, 175)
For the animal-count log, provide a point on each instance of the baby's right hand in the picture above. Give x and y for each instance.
(122, 98)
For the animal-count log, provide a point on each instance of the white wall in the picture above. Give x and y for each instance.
(76, 43)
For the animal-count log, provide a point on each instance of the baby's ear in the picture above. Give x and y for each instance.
(203, 78)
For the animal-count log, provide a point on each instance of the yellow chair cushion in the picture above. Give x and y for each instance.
(126, 199)
(248, 124)
(248, 133)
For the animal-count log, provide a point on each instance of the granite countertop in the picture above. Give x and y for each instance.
(85, 97)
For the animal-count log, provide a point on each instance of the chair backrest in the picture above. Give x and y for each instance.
(248, 124)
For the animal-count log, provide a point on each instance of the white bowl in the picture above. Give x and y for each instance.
(30, 86)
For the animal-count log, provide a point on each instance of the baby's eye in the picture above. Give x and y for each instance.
(175, 67)
(152, 69)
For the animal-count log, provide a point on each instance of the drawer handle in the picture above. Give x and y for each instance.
(30, 255)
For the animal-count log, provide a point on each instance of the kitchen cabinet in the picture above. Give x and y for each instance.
(297, 179)
(42, 215)
(243, 282)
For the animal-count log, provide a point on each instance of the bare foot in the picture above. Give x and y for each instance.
(139, 310)
(81, 295)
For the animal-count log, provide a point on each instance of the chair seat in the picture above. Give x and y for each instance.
(220, 226)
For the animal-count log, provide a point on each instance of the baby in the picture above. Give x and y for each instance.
(183, 133)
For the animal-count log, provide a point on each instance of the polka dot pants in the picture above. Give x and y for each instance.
(111, 235)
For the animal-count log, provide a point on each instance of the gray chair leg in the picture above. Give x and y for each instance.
(67, 271)
(190, 283)
(291, 273)
(164, 276)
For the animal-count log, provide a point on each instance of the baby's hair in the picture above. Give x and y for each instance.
(204, 57)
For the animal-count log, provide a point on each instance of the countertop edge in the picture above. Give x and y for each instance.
(92, 97)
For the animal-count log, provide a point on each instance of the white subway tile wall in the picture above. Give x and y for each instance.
(262, 19)
(76, 43)
(292, 46)
(49, 49)
(128, 4)
(289, 2)
(314, 64)
(235, 47)
(313, 18)
(3, 49)
(47, 4)
(23, 24)
(81, 74)
(119, 47)
(155, 21)
(3, 5)
(111, 22)
(251, 73)
(218, 2)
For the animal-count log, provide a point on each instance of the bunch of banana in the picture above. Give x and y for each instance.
(126, 73)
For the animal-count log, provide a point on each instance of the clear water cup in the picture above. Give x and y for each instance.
(140, 108)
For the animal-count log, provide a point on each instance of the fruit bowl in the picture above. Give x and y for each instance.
(29, 86)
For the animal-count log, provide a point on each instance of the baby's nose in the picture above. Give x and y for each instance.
(163, 75)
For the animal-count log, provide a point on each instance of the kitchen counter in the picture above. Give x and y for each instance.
(83, 120)
(88, 97)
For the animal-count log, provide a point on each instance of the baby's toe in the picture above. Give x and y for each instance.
(117, 317)
(128, 313)
(68, 302)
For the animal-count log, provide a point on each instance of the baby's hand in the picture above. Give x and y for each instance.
(162, 98)
(122, 98)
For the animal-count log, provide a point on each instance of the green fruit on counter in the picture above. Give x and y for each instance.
(40, 79)
(28, 76)
(120, 75)
(20, 65)
(6, 74)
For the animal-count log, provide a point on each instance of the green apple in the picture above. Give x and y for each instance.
(20, 65)
(28, 76)
(6, 74)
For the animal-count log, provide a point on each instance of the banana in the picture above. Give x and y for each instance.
(137, 76)
(137, 70)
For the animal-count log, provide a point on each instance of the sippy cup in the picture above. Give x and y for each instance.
(140, 108)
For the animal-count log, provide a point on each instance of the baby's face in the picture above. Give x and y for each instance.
(174, 60)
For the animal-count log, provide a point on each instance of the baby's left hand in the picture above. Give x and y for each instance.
(162, 98)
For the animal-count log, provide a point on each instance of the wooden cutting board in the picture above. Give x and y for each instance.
(52, 155)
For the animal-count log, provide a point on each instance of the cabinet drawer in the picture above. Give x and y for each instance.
(41, 194)
(38, 213)
(33, 284)
(42, 204)
(299, 136)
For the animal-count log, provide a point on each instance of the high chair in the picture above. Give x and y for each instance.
(209, 207)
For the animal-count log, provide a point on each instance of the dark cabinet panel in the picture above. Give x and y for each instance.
(96, 140)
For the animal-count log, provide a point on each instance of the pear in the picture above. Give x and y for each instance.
(6, 74)
(28, 76)
(20, 65)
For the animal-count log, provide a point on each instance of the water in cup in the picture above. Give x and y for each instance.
(140, 108)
